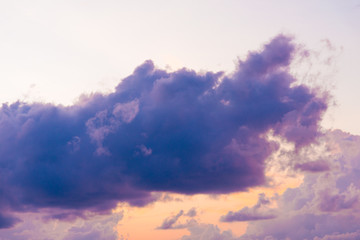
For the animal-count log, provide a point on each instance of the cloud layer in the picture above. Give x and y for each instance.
(326, 205)
(179, 131)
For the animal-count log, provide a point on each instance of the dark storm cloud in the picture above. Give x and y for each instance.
(179, 131)
(7, 221)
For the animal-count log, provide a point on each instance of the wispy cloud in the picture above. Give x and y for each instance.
(169, 223)
(173, 221)
(260, 211)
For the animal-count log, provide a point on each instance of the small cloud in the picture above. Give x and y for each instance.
(173, 221)
(145, 151)
(207, 232)
(257, 212)
(166, 197)
(168, 223)
(313, 166)
(191, 213)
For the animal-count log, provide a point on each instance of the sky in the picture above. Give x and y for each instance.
(179, 120)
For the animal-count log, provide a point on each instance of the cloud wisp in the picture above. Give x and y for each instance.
(173, 221)
(169, 223)
(179, 131)
(259, 211)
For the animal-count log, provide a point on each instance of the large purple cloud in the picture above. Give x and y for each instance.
(176, 131)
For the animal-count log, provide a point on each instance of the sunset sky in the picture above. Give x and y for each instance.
(179, 120)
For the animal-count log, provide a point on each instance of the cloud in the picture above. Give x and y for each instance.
(169, 222)
(326, 205)
(191, 213)
(245, 214)
(40, 226)
(260, 211)
(207, 231)
(313, 166)
(341, 236)
(7, 221)
(103, 229)
(173, 222)
(181, 132)
(330, 200)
